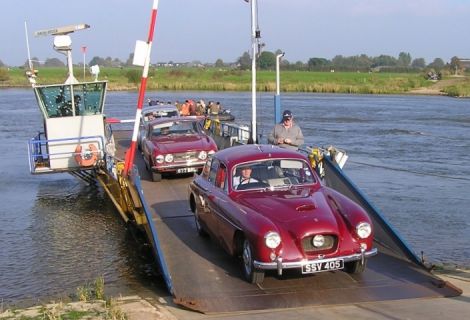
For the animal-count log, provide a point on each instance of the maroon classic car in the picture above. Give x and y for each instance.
(176, 145)
(266, 205)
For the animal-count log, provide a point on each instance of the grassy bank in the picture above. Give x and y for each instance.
(212, 79)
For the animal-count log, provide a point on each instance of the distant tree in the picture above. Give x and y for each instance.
(130, 59)
(404, 59)
(314, 63)
(267, 60)
(1, 63)
(418, 63)
(219, 63)
(384, 60)
(35, 61)
(53, 62)
(455, 65)
(97, 61)
(244, 61)
(299, 65)
(437, 64)
(352, 63)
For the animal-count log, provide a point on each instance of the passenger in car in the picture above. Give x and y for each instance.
(244, 177)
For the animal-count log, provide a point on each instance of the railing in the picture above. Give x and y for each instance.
(227, 134)
(39, 154)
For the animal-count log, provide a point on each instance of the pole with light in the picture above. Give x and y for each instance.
(277, 97)
(255, 36)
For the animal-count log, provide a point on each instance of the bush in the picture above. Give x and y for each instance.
(4, 76)
(133, 76)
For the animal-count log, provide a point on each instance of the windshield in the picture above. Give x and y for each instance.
(176, 127)
(272, 174)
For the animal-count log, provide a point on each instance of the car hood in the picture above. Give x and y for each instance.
(295, 210)
(173, 143)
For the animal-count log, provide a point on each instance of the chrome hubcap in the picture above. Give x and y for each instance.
(247, 257)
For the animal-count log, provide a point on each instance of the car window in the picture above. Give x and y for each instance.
(273, 174)
(206, 169)
(213, 171)
(221, 177)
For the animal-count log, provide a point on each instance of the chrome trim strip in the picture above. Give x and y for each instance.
(279, 265)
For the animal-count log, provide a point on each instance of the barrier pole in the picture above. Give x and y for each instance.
(129, 159)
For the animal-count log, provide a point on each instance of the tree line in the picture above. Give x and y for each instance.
(402, 63)
(267, 61)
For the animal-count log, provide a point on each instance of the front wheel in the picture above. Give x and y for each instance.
(251, 274)
(355, 267)
(156, 177)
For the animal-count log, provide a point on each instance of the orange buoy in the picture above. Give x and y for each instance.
(87, 157)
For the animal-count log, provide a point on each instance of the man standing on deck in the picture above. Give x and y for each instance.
(286, 134)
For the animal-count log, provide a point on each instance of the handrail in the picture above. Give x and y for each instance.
(38, 149)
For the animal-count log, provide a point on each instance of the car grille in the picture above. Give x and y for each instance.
(330, 244)
(185, 156)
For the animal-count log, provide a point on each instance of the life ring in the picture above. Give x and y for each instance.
(87, 157)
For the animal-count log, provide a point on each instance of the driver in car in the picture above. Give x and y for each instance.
(244, 177)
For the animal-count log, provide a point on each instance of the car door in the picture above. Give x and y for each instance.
(207, 196)
(226, 225)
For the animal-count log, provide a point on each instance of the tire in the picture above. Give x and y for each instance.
(355, 267)
(156, 177)
(251, 274)
(200, 229)
(147, 165)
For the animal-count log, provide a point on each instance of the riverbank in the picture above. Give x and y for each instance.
(213, 79)
(150, 306)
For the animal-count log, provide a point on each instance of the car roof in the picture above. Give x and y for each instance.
(160, 107)
(174, 119)
(253, 152)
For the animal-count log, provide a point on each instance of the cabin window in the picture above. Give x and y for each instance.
(71, 100)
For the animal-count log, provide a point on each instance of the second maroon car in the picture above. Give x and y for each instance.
(176, 145)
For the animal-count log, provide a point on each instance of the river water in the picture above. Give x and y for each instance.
(409, 154)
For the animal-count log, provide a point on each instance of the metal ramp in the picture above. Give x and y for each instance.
(204, 278)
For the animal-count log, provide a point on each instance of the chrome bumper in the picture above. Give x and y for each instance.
(279, 265)
(179, 165)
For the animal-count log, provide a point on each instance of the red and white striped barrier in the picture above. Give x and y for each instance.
(129, 160)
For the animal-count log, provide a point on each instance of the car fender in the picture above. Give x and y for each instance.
(349, 211)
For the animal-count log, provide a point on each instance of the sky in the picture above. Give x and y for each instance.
(207, 30)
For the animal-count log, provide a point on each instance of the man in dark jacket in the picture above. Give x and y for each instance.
(286, 134)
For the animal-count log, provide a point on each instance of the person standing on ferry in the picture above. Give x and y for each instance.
(286, 134)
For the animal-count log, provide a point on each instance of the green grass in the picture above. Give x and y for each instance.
(214, 79)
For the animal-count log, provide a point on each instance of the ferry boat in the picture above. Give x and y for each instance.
(78, 139)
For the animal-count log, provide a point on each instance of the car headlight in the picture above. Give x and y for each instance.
(159, 158)
(318, 241)
(363, 230)
(272, 239)
(202, 155)
(169, 158)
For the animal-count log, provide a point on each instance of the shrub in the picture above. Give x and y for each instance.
(4, 76)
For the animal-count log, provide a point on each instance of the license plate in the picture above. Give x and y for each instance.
(186, 170)
(329, 265)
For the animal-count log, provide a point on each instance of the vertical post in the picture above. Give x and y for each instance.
(277, 98)
(129, 159)
(253, 70)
